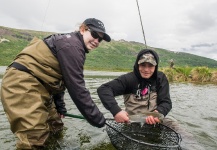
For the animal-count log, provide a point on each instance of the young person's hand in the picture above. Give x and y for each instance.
(151, 119)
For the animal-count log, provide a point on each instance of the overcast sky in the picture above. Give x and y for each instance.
(177, 25)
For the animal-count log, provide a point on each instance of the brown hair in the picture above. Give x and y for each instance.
(83, 27)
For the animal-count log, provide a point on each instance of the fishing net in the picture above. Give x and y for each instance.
(135, 136)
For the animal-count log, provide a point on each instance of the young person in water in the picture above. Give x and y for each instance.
(34, 84)
(145, 90)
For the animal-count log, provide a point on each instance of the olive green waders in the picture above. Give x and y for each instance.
(27, 102)
(29, 108)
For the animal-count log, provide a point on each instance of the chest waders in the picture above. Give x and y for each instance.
(26, 92)
(139, 105)
(136, 106)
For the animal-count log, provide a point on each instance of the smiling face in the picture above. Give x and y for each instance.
(89, 41)
(146, 70)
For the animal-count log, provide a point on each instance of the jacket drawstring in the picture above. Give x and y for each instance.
(149, 91)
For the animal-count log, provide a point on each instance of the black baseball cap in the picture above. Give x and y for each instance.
(98, 26)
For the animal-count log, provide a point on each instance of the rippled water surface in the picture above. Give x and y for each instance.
(194, 106)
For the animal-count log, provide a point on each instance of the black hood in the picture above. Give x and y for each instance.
(136, 66)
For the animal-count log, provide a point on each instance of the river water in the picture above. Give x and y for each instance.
(194, 108)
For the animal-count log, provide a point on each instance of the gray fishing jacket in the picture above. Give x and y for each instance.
(70, 51)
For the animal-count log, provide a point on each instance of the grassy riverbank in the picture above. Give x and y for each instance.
(191, 74)
(203, 75)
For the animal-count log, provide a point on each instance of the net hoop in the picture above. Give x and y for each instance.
(120, 135)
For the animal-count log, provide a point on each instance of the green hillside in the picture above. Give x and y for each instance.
(116, 55)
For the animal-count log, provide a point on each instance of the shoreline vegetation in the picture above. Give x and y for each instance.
(199, 75)
(203, 75)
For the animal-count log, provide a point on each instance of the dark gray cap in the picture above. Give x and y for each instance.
(98, 26)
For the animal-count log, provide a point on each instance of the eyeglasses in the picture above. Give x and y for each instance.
(95, 35)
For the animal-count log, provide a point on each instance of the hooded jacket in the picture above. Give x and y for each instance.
(131, 82)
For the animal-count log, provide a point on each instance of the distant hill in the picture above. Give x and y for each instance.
(115, 55)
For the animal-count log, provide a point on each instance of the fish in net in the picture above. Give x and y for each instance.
(137, 136)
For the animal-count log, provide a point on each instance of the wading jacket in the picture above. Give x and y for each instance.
(70, 51)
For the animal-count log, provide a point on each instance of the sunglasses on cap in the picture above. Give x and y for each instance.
(95, 35)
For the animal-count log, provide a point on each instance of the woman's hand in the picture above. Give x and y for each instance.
(122, 117)
(61, 115)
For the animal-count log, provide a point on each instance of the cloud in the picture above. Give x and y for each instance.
(205, 49)
(170, 24)
(204, 45)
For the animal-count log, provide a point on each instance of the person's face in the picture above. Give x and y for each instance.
(91, 40)
(146, 70)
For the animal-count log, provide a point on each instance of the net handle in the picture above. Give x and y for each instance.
(74, 116)
(80, 116)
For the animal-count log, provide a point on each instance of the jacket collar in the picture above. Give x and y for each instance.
(80, 36)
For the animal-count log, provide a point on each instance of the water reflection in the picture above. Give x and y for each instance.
(194, 107)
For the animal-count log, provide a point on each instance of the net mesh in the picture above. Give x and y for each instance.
(146, 137)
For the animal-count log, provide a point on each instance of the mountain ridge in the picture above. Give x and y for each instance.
(115, 55)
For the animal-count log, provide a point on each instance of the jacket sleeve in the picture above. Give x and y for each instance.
(109, 90)
(59, 102)
(164, 103)
(71, 57)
